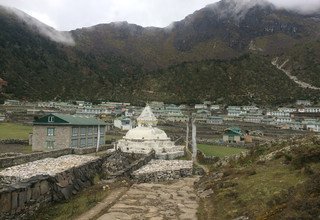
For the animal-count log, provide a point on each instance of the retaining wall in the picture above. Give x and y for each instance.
(21, 200)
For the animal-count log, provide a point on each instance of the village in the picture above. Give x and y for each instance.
(301, 116)
(65, 145)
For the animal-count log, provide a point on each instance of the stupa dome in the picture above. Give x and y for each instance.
(146, 133)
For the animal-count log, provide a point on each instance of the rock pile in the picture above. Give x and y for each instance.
(45, 167)
(163, 170)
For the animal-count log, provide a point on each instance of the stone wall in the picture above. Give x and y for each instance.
(14, 141)
(163, 170)
(202, 158)
(25, 158)
(22, 199)
(90, 150)
(127, 170)
(20, 159)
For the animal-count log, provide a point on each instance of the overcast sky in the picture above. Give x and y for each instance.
(72, 14)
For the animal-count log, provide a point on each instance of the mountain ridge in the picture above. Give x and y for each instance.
(119, 58)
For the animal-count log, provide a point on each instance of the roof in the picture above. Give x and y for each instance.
(64, 119)
(234, 130)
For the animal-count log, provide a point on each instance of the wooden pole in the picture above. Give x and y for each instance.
(194, 140)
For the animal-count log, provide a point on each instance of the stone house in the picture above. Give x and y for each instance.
(232, 135)
(60, 131)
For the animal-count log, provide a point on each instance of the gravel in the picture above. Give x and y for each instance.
(48, 166)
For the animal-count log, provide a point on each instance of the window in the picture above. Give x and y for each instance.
(95, 141)
(51, 119)
(102, 141)
(50, 131)
(90, 142)
(96, 130)
(83, 142)
(83, 130)
(75, 132)
(50, 144)
(74, 143)
(90, 130)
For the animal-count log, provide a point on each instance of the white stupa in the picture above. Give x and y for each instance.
(147, 137)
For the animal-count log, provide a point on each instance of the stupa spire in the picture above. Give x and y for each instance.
(147, 118)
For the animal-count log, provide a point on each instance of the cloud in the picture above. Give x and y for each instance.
(72, 14)
(43, 29)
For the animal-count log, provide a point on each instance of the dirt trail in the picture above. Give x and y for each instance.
(293, 78)
(176, 200)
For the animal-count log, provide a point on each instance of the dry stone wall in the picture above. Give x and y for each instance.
(163, 170)
(22, 194)
(123, 164)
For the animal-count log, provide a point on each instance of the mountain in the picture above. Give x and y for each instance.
(222, 30)
(223, 51)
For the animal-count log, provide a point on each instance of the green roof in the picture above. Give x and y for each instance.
(64, 119)
(233, 130)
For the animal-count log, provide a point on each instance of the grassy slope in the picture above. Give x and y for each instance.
(285, 187)
(218, 151)
(247, 79)
(14, 131)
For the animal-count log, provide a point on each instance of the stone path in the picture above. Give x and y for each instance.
(176, 200)
(99, 209)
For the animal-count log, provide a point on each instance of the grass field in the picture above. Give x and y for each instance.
(219, 151)
(14, 131)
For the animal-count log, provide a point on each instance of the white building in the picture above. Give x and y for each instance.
(123, 123)
(129, 112)
(235, 113)
(214, 107)
(303, 102)
(283, 120)
(200, 106)
(253, 119)
(312, 109)
(215, 120)
(250, 108)
(286, 109)
(278, 114)
(147, 137)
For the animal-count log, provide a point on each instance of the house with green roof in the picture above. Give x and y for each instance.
(60, 131)
(232, 135)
